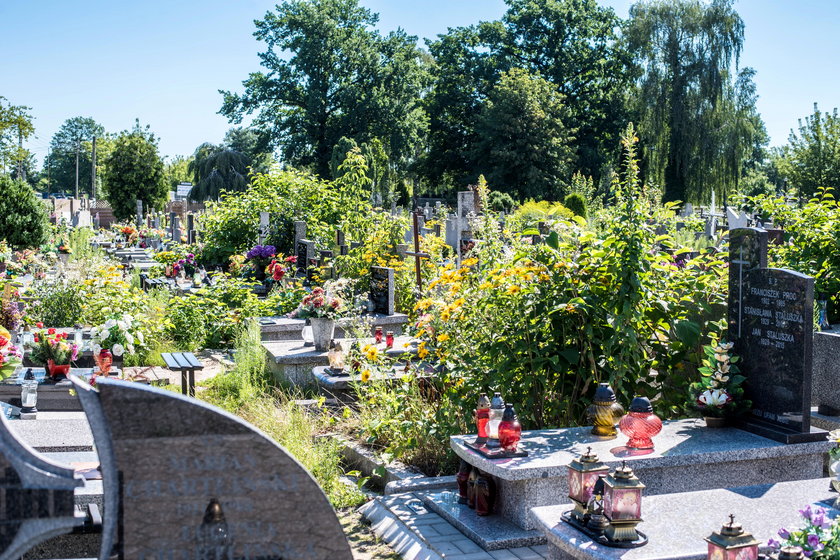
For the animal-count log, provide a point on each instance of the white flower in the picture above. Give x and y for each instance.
(728, 346)
(140, 337)
(129, 338)
(716, 397)
(109, 323)
(121, 324)
(130, 349)
(722, 358)
(118, 349)
(96, 348)
(128, 318)
(724, 368)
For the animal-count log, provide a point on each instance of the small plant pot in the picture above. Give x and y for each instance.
(57, 372)
(715, 422)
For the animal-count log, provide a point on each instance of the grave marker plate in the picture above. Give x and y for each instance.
(747, 252)
(305, 251)
(382, 289)
(202, 483)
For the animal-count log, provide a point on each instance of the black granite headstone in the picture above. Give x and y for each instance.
(304, 251)
(201, 483)
(747, 251)
(382, 289)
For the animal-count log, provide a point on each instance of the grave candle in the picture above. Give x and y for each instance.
(377, 335)
(482, 416)
(510, 432)
(623, 504)
(640, 424)
(583, 473)
(732, 543)
(497, 406)
(389, 339)
(29, 392)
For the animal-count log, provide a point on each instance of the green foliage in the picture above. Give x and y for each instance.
(15, 126)
(576, 203)
(330, 74)
(531, 213)
(500, 202)
(135, 172)
(522, 145)
(23, 216)
(56, 305)
(811, 160)
(216, 169)
(698, 120)
(75, 133)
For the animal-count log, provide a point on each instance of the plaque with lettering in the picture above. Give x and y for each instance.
(302, 254)
(776, 329)
(201, 483)
(382, 289)
(747, 252)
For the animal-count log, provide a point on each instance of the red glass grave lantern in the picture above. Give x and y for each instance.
(640, 424)
(389, 339)
(623, 504)
(104, 359)
(732, 543)
(482, 416)
(485, 494)
(583, 474)
(377, 335)
(510, 431)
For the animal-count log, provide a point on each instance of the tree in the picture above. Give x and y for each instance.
(15, 127)
(23, 216)
(135, 172)
(811, 160)
(523, 147)
(216, 169)
(178, 171)
(698, 124)
(251, 144)
(330, 74)
(74, 134)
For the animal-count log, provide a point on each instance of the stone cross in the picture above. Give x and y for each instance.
(265, 227)
(139, 213)
(736, 220)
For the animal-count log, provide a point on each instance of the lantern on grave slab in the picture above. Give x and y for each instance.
(623, 504)
(604, 412)
(583, 474)
(510, 431)
(640, 424)
(28, 393)
(377, 335)
(389, 339)
(733, 543)
(78, 336)
(791, 552)
(335, 356)
(497, 409)
(482, 416)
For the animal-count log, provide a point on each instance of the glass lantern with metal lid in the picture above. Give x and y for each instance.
(28, 394)
(623, 504)
(497, 409)
(732, 543)
(583, 473)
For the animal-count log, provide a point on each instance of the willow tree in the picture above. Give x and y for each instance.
(698, 120)
(216, 169)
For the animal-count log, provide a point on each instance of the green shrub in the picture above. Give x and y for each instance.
(56, 305)
(576, 203)
(23, 217)
(500, 202)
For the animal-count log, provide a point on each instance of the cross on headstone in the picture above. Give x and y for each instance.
(418, 256)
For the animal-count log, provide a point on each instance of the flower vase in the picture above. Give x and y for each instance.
(57, 372)
(259, 272)
(104, 359)
(715, 421)
(323, 330)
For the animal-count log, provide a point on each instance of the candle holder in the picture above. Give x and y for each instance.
(583, 474)
(377, 335)
(492, 447)
(482, 416)
(732, 543)
(389, 339)
(604, 412)
(640, 424)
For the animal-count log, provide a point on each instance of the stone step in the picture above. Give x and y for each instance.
(417, 533)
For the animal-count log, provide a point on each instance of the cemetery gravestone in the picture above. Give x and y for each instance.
(382, 289)
(300, 231)
(36, 496)
(139, 213)
(201, 484)
(305, 250)
(711, 227)
(466, 204)
(265, 227)
(191, 228)
(771, 325)
(736, 220)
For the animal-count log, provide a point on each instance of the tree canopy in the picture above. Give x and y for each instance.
(811, 160)
(23, 216)
(75, 133)
(135, 172)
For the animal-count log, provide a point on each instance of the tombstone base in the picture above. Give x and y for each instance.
(776, 433)
(826, 410)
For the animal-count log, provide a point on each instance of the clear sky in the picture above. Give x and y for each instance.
(163, 61)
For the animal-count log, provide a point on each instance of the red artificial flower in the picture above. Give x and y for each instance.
(4, 340)
(37, 339)
(292, 259)
(39, 324)
(50, 330)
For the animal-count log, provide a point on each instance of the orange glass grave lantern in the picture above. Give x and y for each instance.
(640, 424)
(732, 543)
(583, 473)
(623, 504)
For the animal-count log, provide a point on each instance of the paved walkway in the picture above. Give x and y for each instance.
(417, 533)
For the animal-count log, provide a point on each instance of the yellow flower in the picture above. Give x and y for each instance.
(443, 337)
(513, 289)
(422, 351)
(365, 377)
(485, 286)
(469, 262)
(423, 304)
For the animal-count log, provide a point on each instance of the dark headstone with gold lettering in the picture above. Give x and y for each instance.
(201, 483)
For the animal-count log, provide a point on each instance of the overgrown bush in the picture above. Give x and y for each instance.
(23, 217)
(576, 203)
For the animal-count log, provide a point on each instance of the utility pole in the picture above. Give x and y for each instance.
(21, 170)
(77, 168)
(93, 170)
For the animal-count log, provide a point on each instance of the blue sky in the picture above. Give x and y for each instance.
(163, 61)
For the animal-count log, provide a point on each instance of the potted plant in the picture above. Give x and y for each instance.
(718, 394)
(10, 355)
(260, 257)
(186, 265)
(119, 335)
(322, 310)
(51, 349)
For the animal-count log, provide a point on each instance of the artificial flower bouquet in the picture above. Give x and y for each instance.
(719, 393)
(819, 538)
(120, 334)
(278, 269)
(10, 355)
(51, 348)
(187, 264)
(320, 305)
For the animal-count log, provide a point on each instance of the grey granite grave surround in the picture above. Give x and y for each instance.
(825, 386)
(283, 328)
(291, 362)
(36, 493)
(688, 456)
(202, 483)
(676, 524)
(55, 432)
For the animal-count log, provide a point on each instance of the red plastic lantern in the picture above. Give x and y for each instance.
(510, 431)
(482, 416)
(389, 339)
(640, 424)
(377, 335)
(732, 543)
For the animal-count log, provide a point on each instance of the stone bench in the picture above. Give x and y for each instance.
(283, 328)
(291, 361)
(688, 456)
(676, 524)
